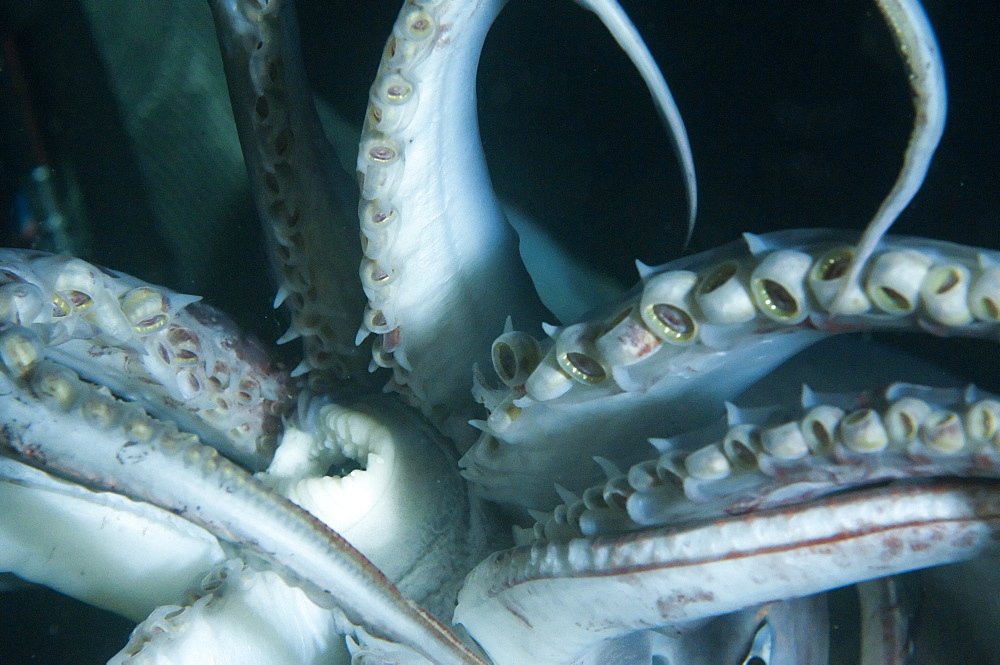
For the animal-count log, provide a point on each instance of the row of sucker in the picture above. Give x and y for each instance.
(288, 161)
(23, 356)
(167, 622)
(936, 286)
(392, 102)
(763, 459)
(178, 357)
(228, 593)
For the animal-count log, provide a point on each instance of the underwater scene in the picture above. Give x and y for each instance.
(118, 146)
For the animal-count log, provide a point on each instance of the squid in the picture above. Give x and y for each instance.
(488, 451)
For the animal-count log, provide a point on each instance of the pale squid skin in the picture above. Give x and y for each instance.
(793, 222)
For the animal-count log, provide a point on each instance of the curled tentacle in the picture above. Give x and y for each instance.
(404, 506)
(917, 45)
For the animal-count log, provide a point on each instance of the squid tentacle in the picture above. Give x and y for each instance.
(588, 591)
(102, 548)
(763, 458)
(426, 247)
(607, 573)
(303, 199)
(180, 359)
(217, 612)
(916, 43)
(140, 457)
(676, 337)
(625, 33)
